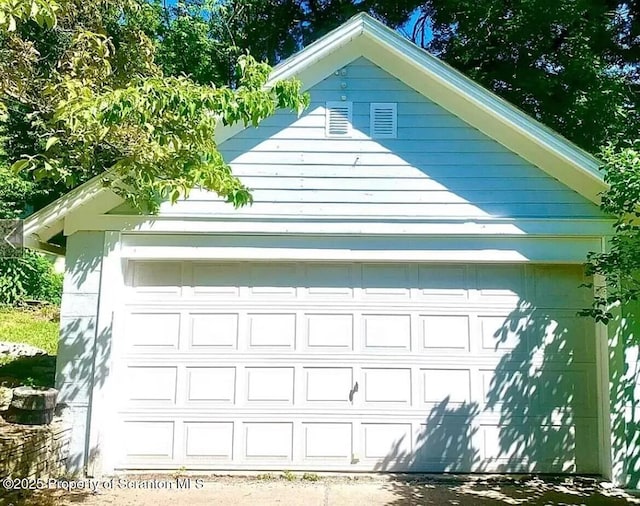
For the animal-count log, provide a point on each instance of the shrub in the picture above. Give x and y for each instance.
(30, 277)
(14, 193)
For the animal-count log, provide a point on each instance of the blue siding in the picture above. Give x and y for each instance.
(437, 167)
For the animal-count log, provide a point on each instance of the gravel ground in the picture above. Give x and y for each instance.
(310, 489)
(292, 489)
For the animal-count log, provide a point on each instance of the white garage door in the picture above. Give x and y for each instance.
(355, 367)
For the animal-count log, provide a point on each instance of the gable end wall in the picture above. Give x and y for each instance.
(437, 167)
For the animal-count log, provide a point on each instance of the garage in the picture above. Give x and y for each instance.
(401, 295)
(354, 366)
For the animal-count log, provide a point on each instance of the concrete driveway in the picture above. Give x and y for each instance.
(312, 490)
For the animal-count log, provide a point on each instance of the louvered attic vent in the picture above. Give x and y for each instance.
(338, 119)
(384, 123)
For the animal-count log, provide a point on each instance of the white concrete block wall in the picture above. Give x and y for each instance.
(78, 315)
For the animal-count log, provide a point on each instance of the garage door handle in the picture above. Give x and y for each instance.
(353, 391)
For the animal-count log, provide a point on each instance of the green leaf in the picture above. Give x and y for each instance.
(52, 141)
(34, 10)
(20, 165)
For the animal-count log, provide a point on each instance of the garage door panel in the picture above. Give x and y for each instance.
(392, 386)
(501, 283)
(151, 384)
(328, 384)
(382, 281)
(445, 332)
(272, 330)
(503, 446)
(499, 386)
(268, 440)
(386, 441)
(567, 339)
(150, 279)
(211, 384)
(148, 440)
(353, 366)
(153, 330)
(333, 441)
(329, 332)
(444, 443)
(553, 445)
(504, 335)
(213, 331)
(270, 384)
(333, 281)
(385, 332)
(450, 386)
(208, 440)
(563, 390)
(443, 282)
(279, 280)
(559, 287)
(216, 279)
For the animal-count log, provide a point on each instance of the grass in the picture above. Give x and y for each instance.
(288, 475)
(265, 477)
(310, 477)
(37, 327)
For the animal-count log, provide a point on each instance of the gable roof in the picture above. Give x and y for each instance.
(363, 36)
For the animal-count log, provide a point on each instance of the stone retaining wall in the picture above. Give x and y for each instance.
(36, 451)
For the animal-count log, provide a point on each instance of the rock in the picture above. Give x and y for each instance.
(34, 398)
(19, 350)
(32, 406)
(5, 397)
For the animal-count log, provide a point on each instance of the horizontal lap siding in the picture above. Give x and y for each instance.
(402, 196)
(438, 166)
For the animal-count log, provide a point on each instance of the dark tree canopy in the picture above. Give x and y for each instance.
(204, 39)
(572, 64)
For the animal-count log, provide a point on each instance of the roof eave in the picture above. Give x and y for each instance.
(318, 50)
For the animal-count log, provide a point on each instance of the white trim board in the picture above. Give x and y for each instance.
(111, 284)
(365, 248)
(342, 225)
